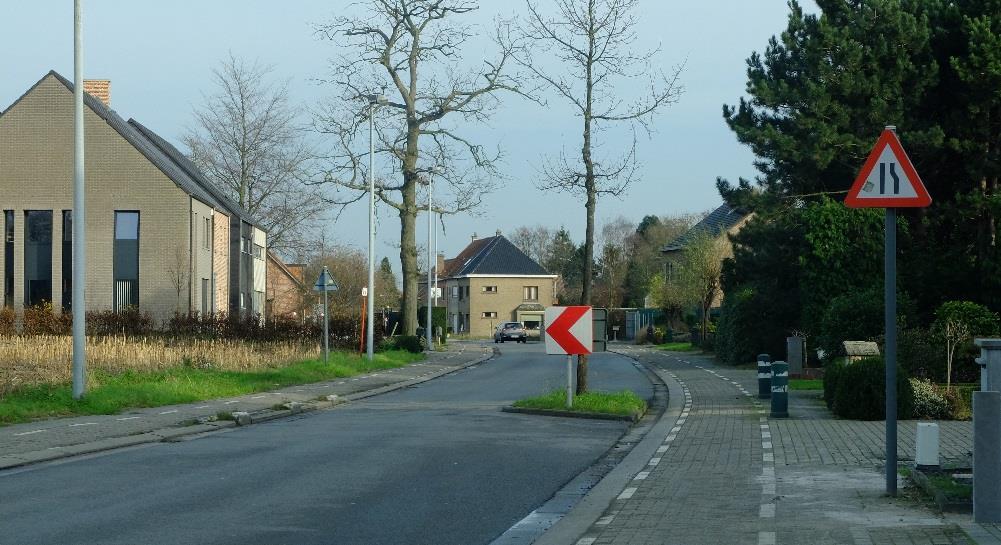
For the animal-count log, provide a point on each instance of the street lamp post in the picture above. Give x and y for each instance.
(374, 102)
(432, 234)
(79, 248)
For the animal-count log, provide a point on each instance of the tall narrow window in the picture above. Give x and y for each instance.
(37, 257)
(206, 297)
(208, 233)
(8, 258)
(67, 285)
(531, 293)
(126, 260)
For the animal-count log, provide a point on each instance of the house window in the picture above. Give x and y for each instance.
(531, 293)
(489, 289)
(126, 259)
(207, 233)
(37, 257)
(488, 315)
(206, 296)
(8, 258)
(67, 251)
(456, 292)
(258, 251)
(245, 248)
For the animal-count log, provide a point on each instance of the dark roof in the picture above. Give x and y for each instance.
(157, 150)
(493, 255)
(716, 223)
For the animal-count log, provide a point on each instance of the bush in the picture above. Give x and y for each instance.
(930, 402)
(410, 343)
(748, 326)
(130, 322)
(7, 321)
(857, 316)
(42, 320)
(858, 391)
(918, 354)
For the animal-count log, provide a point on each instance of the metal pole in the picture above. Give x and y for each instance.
(427, 324)
(79, 249)
(326, 325)
(369, 337)
(569, 381)
(890, 358)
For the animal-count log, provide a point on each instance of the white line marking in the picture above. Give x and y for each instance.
(768, 472)
(341, 382)
(586, 541)
(763, 426)
(83, 424)
(169, 412)
(203, 407)
(627, 493)
(766, 444)
(662, 450)
(128, 418)
(766, 435)
(641, 476)
(671, 437)
(258, 397)
(676, 429)
(28, 433)
(654, 461)
(767, 511)
(768, 489)
(766, 538)
(231, 402)
(768, 457)
(682, 421)
(605, 520)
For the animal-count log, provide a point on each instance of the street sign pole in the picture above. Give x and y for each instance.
(569, 381)
(890, 356)
(326, 324)
(888, 180)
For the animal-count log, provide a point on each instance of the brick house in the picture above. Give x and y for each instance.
(492, 281)
(160, 236)
(287, 292)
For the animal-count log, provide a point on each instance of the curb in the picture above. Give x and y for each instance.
(573, 414)
(201, 428)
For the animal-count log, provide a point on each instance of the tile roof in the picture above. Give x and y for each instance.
(717, 222)
(494, 256)
(158, 151)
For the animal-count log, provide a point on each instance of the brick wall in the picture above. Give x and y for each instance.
(220, 260)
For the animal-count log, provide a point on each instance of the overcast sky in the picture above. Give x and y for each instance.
(159, 56)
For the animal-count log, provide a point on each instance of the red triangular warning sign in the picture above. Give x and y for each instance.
(888, 179)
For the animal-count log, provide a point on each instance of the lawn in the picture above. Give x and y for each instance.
(624, 403)
(806, 384)
(111, 393)
(677, 347)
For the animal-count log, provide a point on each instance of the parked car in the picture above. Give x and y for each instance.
(510, 331)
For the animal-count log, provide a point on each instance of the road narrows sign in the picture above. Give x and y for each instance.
(569, 330)
(888, 178)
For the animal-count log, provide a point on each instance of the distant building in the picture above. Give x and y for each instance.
(287, 292)
(719, 224)
(160, 236)
(492, 281)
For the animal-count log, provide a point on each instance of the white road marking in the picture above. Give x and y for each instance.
(766, 444)
(676, 429)
(671, 437)
(768, 457)
(654, 461)
(627, 493)
(662, 450)
(83, 424)
(605, 520)
(641, 476)
(169, 412)
(28, 433)
(586, 541)
(231, 402)
(767, 511)
(258, 397)
(128, 418)
(766, 435)
(768, 489)
(203, 407)
(766, 538)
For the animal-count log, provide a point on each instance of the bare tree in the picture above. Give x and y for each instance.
(536, 242)
(413, 47)
(248, 144)
(594, 39)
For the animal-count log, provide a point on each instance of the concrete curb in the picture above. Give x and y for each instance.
(573, 414)
(202, 428)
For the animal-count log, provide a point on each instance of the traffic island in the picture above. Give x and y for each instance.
(624, 405)
(951, 490)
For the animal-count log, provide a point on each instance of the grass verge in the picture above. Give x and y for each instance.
(624, 403)
(806, 384)
(677, 347)
(112, 393)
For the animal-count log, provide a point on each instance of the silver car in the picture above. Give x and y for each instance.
(510, 331)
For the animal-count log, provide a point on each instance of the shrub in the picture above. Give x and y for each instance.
(930, 401)
(129, 322)
(410, 343)
(7, 321)
(833, 372)
(748, 326)
(918, 354)
(958, 322)
(42, 320)
(860, 391)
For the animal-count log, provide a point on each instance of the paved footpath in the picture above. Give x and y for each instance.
(726, 473)
(60, 437)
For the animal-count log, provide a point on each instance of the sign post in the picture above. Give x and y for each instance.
(325, 283)
(570, 332)
(888, 180)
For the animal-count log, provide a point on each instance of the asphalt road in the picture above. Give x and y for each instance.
(433, 464)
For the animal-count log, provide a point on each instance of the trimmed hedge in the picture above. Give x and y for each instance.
(857, 391)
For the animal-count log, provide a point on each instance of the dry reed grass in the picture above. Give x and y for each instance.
(30, 361)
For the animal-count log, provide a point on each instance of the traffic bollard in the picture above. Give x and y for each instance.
(780, 389)
(764, 376)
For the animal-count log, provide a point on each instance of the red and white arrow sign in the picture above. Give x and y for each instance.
(569, 330)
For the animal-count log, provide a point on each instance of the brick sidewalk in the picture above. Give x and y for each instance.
(728, 474)
(58, 437)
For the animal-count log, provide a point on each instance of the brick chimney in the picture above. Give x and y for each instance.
(440, 265)
(474, 238)
(99, 89)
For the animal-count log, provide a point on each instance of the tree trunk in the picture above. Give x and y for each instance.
(408, 233)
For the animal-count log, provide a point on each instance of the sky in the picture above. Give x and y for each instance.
(159, 57)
